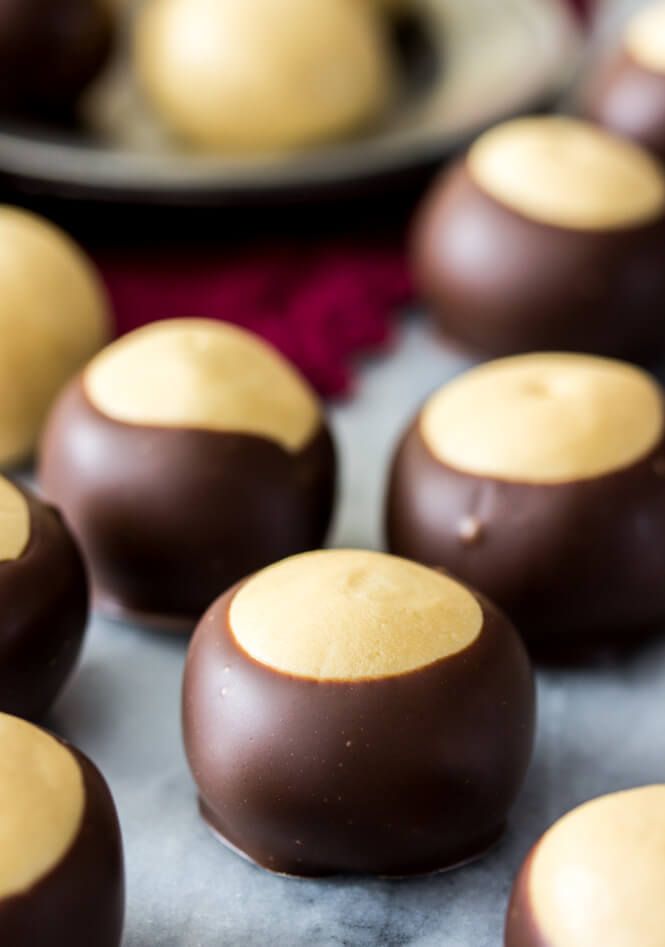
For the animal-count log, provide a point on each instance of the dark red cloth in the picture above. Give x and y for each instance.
(320, 307)
(585, 7)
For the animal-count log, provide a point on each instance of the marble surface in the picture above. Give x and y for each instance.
(598, 731)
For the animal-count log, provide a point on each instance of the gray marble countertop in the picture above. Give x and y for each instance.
(599, 730)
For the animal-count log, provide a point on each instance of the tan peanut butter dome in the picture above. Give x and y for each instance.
(644, 38)
(351, 614)
(598, 875)
(544, 418)
(568, 173)
(262, 75)
(53, 318)
(14, 521)
(42, 801)
(201, 374)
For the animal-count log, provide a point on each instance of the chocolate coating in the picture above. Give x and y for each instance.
(500, 283)
(50, 50)
(399, 775)
(83, 897)
(628, 98)
(168, 517)
(43, 609)
(575, 565)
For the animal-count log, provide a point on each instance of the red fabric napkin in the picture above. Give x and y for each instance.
(584, 7)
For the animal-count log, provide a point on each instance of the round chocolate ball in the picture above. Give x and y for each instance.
(596, 877)
(53, 318)
(50, 51)
(351, 712)
(540, 480)
(548, 234)
(626, 91)
(43, 603)
(267, 75)
(61, 863)
(187, 455)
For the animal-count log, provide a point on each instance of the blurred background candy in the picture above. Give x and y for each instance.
(50, 51)
(625, 90)
(268, 74)
(53, 316)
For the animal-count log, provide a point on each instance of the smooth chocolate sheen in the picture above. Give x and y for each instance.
(81, 899)
(43, 614)
(500, 283)
(50, 51)
(397, 775)
(168, 517)
(576, 565)
(628, 98)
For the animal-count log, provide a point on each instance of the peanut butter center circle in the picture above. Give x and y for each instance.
(14, 521)
(544, 418)
(42, 800)
(598, 875)
(352, 614)
(567, 173)
(644, 38)
(200, 374)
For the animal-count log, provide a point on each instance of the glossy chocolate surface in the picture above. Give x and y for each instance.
(50, 50)
(392, 776)
(575, 565)
(500, 283)
(629, 99)
(169, 518)
(81, 901)
(43, 615)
